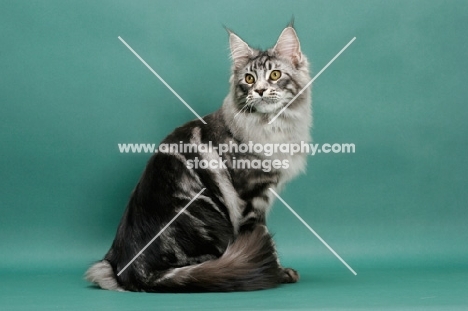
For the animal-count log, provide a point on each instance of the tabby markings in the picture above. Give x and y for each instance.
(160, 232)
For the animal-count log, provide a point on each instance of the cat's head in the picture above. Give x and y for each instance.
(266, 81)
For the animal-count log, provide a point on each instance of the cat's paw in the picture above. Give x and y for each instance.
(289, 275)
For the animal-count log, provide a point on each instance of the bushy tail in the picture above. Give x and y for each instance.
(101, 274)
(250, 263)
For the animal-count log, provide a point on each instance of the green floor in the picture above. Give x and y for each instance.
(325, 288)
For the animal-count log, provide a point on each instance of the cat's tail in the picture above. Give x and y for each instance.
(250, 263)
(101, 274)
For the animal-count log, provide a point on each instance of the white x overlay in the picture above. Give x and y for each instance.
(313, 231)
(271, 121)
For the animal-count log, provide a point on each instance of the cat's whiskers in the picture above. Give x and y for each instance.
(242, 109)
(249, 103)
(251, 106)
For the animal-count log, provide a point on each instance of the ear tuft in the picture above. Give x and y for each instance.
(240, 51)
(288, 46)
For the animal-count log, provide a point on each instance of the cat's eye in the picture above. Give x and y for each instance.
(275, 75)
(249, 78)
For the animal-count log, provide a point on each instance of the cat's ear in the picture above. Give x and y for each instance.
(288, 46)
(240, 51)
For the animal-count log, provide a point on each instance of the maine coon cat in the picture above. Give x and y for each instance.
(220, 242)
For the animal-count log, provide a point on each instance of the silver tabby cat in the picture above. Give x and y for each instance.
(220, 242)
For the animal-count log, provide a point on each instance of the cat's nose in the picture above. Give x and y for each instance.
(260, 91)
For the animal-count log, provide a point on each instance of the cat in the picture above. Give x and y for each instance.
(220, 242)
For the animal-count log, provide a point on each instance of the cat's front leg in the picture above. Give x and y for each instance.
(254, 215)
(289, 275)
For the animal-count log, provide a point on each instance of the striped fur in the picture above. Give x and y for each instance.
(220, 243)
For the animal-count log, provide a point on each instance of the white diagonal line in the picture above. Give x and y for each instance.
(159, 233)
(315, 233)
(313, 79)
(162, 80)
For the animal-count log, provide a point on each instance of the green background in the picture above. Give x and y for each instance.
(396, 210)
